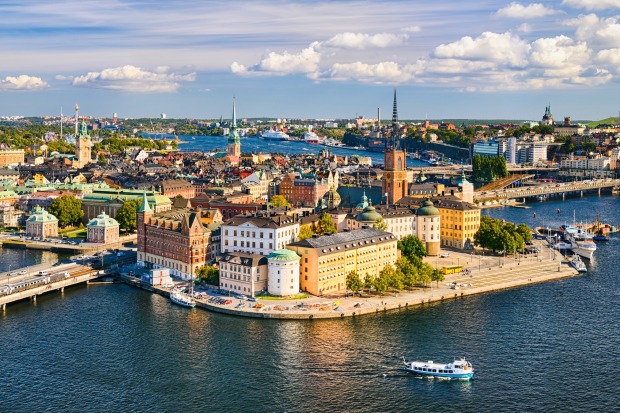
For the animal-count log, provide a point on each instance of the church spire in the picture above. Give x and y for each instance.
(234, 117)
(395, 125)
(144, 207)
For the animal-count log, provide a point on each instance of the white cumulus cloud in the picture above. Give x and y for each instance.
(592, 4)
(22, 82)
(503, 48)
(306, 61)
(364, 41)
(134, 79)
(560, 51)
(600, 32)
(381, 72)
(531, 11)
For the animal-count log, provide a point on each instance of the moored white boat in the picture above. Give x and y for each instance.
(182, 299)
(577, 264)
(460, 369)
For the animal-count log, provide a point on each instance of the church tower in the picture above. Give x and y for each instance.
(234, 143)
(395, 163)
(83, 144)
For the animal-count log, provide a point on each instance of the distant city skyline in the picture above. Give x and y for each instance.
(304, 59)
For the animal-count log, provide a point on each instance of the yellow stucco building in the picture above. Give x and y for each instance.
(326, 260)
(459, 222)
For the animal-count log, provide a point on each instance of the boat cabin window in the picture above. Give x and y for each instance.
(423, 369)
(450, 371)
(434, 370)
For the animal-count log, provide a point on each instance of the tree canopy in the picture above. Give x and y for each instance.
(68, 210)
(209, 274)
(381, 225)
(488, 168)
(279, 201)
(326, 225)
(497, 235)
(126, 214)
(305, 232)
(410, 246)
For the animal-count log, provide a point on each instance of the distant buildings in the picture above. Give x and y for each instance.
(11, 156)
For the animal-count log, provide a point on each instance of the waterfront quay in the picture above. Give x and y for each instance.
(484, 273)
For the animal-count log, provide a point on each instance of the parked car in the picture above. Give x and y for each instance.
(251, 298)
(445, 255)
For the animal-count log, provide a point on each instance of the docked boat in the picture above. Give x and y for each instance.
(312, 138)
(577, 264)
(600, 238)
(276, 135)
(333, 143)
(459, 369)
(182, 299)
(581, 240)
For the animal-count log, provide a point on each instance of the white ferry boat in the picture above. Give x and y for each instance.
(459, 369)
(312, 138)
(276, 135)
(577, 264)
(182, 299)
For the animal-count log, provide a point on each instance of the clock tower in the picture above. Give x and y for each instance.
(395, 185)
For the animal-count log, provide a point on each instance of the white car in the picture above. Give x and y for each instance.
(23, 272)
(445, 255)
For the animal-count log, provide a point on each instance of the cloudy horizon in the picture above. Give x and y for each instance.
(337, 59)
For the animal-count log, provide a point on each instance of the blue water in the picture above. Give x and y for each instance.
(210, 143)
(543, 348)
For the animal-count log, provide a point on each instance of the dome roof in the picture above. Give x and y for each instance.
(283, 255)
(369, 214)
(427, 209)
(103, 220)
(41, 215)
(332, 198)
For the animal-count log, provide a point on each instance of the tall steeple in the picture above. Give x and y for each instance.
(234, 142)
(76, 118)
(395, 124)
(145, 207)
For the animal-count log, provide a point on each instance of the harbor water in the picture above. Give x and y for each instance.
(545, 347)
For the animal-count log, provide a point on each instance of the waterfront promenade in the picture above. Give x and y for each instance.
(486, 274)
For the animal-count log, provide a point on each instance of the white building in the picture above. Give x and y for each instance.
(259, 233)
(243, 273)
(427, 227)
(102, 229)
(283, 273)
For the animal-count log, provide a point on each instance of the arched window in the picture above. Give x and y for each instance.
(400, 163)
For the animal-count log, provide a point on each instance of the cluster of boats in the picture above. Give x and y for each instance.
(575, 239)
(180, 298)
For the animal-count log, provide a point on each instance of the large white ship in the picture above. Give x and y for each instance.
(312, 138)
(276, 135)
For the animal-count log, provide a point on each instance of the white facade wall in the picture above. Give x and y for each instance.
(427, 228)
(252, 240)
(283, 277)
(243, 279)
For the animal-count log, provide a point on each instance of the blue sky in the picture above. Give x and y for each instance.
(330, 59)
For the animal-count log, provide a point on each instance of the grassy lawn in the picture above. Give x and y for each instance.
(271, 297)
(74, 232)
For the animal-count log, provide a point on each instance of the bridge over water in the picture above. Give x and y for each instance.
(546, 189)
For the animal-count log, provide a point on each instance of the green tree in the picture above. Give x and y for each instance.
(411, 246)
(126, 214)
(381, 282)
(408, 271)
(305, 232)
(68, 210)
(437, 275)
(209, 274)
(496, 235)
(326, 225)
(101, 158)
(380, 225)
(354, 281)
(369, 281)
(279, 201)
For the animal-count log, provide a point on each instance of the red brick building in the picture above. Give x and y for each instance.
(174, 239)
(175, 187)
(303, 191)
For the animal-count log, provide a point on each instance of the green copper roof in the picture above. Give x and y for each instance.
(369, 214)
(145, 207)
(233, 136)
(41, 215)
(427, 209)
(283, 255)
(103, 220)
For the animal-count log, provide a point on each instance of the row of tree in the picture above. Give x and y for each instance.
(498, 235)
